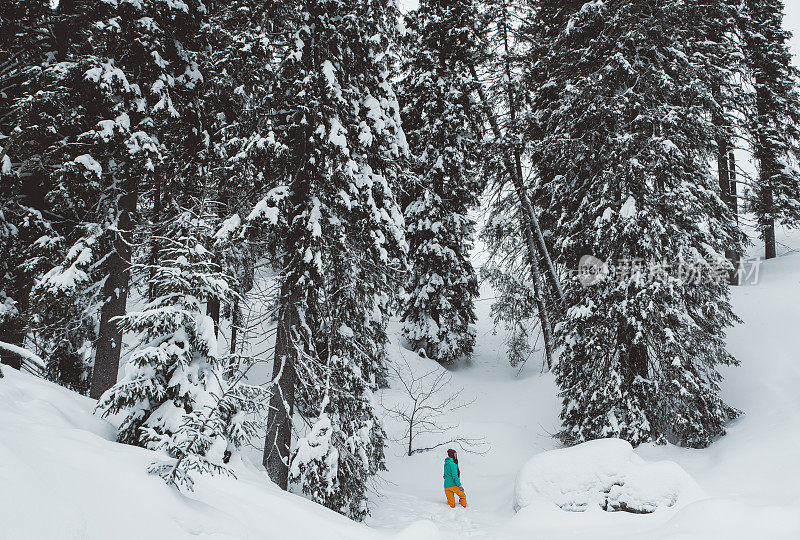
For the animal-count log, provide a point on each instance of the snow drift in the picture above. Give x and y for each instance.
(604, 473)
(63, 476)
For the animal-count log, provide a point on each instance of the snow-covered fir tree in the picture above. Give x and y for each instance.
(64, 301)
(174, 396)
(440, 118)
(622, 136)
(338, 239)
(772, 122)
(238, 70)
(22, 48)
(111, 89)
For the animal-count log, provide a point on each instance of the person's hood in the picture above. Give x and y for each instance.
(449, 459)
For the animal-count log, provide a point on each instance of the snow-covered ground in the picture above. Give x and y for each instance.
(749, 480)
(62, 476)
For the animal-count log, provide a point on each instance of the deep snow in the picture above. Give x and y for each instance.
(62, 476)
(749, 480)
(603, 473)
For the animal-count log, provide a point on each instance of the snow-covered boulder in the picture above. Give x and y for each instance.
(604, 473)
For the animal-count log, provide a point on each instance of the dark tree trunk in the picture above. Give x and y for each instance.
(768, 166)
(115, 293)
(235, 321)
(726, 171)
(732, 200)
(155, 224)
(277, 444)
(768, 227)
(15, 337)
(213, 309)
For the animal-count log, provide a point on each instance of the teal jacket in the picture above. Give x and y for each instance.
(451, 473)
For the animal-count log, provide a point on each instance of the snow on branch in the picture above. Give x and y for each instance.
(24, 353)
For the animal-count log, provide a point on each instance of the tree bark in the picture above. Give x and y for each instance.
(768, 166)
(155, 248)
(277, 444)
(115, 293)
(213, 310)
(726, 175)
(768, 227)
(235, 321)
(732, 200)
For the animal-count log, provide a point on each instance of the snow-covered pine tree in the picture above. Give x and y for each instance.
(57, 180)
(64, 301)
(623, 136)
(773, 122)
(338, 237)
(111, 108)
(440, 117)
(174, 396)
(238, 71)
(156, 43)
(21, 49)
(81, 156)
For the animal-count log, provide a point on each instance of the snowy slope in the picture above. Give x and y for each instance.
(63, 477)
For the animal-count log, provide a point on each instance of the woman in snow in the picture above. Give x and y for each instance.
(452, 480)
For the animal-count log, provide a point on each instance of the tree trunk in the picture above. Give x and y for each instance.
(726, 174)
(530, 225)
(155, 224)
(212, 310)
(277, 444)
(768, 165)
(768, 228)
(411, 433)
(733, 203)
(115, 293)
(7, 357)
(235, 321)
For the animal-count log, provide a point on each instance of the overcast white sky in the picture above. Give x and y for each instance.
(792, 21)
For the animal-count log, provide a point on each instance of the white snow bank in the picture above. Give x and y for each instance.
(604, 473)
(63, 476)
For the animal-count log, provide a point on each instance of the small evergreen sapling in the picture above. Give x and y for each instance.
(174, 396)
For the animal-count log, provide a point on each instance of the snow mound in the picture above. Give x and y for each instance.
(63, 476)
(604, 473)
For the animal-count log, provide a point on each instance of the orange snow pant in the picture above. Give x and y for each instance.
(451, 492)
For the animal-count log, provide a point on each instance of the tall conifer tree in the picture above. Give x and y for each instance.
(440, 116)
(338, 237)
(622, 137)
(773, 122)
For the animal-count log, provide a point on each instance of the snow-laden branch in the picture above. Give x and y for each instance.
(24, 353)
